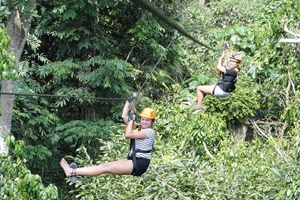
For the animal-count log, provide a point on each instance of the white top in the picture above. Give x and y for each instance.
(145, 144)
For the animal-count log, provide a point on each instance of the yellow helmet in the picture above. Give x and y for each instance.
(236, 56)
(149, 113)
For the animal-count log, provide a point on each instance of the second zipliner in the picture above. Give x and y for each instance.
(227, 68)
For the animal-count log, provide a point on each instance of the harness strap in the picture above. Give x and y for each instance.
(134, 151)
(133, 154)
(142, 151)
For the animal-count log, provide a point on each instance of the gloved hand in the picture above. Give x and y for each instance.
(130, 117)
(132, 96)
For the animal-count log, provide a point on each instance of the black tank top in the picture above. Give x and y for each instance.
(227, 83)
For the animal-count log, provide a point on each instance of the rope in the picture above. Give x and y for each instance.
(161, 16)
(150, 7)
(64, 96)
(158, 61)
(96, 98)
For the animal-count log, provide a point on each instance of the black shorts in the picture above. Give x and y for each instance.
(141, 166)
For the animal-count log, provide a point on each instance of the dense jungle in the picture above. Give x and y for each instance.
(67, 68)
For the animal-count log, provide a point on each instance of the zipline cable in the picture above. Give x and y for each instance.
(150, 7)
(64, 96)
(158, 61)
(95, 98)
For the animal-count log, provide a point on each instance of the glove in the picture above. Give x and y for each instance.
(130, 117)
(226, 45)
(132, 96)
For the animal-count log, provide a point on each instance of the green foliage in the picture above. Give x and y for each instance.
(200, 79)
(87, 80)
(226, 108)
(76, 133)
(195, 158)
(108, 48)
(7, 65)
(235, 12)
(253, 171)
(143, 30)
(291, 113)
(16, 181)
(34, 115)
(83, 28)
(92, 73)
(277, 60)
(241, 104)
(115, 31)
(189, 136)
(239, 37)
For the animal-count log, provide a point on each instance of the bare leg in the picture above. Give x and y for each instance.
(202, 91)
(120, 167)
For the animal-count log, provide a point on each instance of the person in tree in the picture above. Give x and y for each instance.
(224, 87)
(142, 138)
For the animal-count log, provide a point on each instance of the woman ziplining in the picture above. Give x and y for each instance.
(227, 68)
(142, 137)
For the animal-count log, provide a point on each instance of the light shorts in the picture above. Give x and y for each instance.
(219, 92)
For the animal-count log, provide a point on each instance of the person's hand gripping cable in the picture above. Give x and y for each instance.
(132, 98)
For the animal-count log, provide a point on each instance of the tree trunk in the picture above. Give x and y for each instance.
(18, 26)
(238, 129)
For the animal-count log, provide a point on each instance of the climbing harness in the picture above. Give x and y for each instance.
(133, 151)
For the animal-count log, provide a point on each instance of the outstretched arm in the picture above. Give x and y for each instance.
(125, 112)
(220, 66)
(129, 106)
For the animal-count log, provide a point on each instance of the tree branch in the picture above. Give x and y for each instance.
(290, 32)
(268, 137)
(290, 40)
(207, 151)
